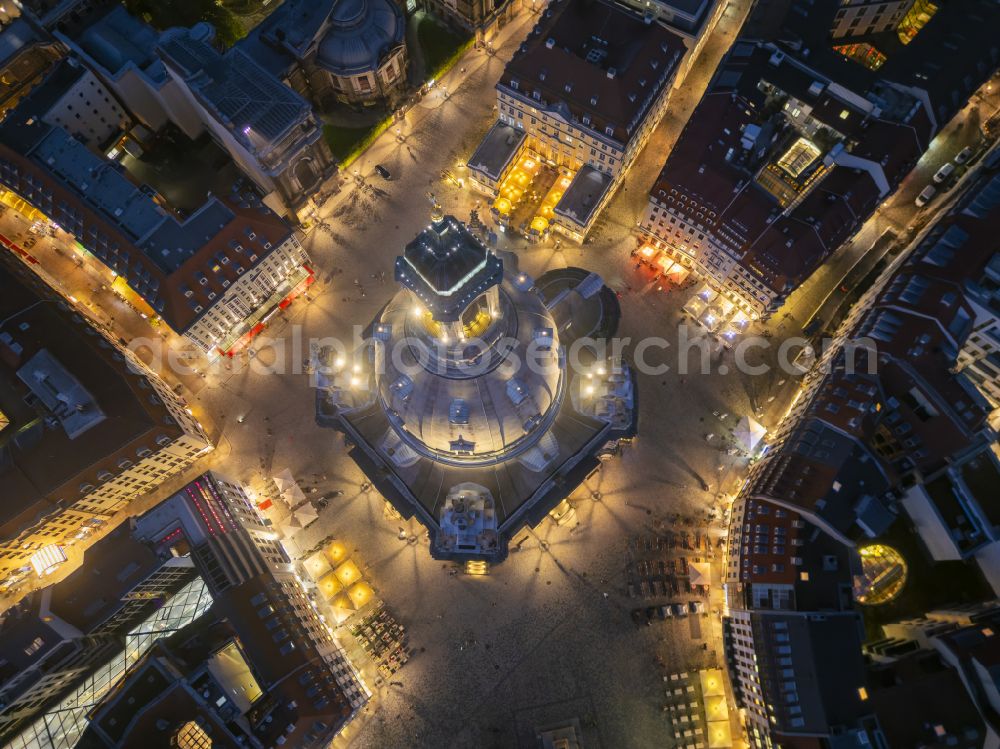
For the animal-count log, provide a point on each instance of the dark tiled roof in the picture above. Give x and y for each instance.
(43, 465)
(162, 255)
(710, 171)
(612, 63)
(447, 268)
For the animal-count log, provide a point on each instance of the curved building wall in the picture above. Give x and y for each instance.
(384, 81)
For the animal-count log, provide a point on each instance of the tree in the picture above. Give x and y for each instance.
(166, 13)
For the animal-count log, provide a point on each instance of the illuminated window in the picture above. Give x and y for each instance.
(191, 736)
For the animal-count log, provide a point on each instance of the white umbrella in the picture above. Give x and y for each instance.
(291, 494)
(701, 573)
(749, 433)
(305, 515)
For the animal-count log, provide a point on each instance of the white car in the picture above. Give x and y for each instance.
(697, 607)
(964, 155)
(926, 196)
(678, 609)
(943, 173)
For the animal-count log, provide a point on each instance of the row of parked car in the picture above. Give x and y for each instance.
(942, 175)
(667, 611)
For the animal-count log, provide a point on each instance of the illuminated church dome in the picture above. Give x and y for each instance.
(470, 370)
(460, 407)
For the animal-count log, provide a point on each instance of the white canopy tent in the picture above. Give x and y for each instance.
(749, 433)
(291, 493)
(701, 573)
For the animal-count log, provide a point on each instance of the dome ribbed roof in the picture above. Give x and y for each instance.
(498, 406)
(361, 33)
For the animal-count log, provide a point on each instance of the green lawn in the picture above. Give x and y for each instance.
(343, 140)
(165, 14)
(438, 44)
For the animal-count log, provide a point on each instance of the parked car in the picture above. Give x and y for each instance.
(964, 155)
(678, 609)
(383, 172)
(697, 607)
(666, 613)
(943, 173)
(926, 196)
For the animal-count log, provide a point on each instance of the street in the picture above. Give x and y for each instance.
(547, 635)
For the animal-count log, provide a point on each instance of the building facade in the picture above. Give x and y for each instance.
(213, 275)
(800, 137)
(62, 634)
(66, 388)
(586, 109)
(72, 98)
(862, 17)
(861, 449)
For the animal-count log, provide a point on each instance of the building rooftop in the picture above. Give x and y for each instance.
(827, 667)
(152, 702)
(57, 81)
(213, 243)
(784, 226)
(257, 108)
(583, 195)
(478, 435)
(46, 458)
(16, 36)
(360, 35)
(922, 685)
(781, 560)
(447, 267)
(496, 150)
(596, 61)
(112, 568)
(947, 57)
(118, 39)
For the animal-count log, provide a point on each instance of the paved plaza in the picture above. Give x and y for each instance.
(548, 635)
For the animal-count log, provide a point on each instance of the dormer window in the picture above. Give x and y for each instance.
(609, 130)
(513, 84)
(537, 96)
